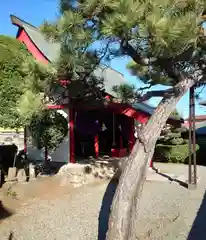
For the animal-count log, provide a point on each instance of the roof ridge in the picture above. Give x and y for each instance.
(108, 67)
(20, 22)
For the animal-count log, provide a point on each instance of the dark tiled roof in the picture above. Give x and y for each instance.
(111, 78)
(200, 128)
(144, 107)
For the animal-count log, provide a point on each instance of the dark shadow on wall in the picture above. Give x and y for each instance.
(105, 209)
(198, 229)
(7, 153)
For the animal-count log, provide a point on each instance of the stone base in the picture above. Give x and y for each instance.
(192, 186)
(12, 172)
(80, 174)
(71, 168)
(32, 172)
(21, 176)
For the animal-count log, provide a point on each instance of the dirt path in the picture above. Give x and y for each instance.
(14, 196)
(167, 212)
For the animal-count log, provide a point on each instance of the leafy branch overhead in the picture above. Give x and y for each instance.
(163, 38)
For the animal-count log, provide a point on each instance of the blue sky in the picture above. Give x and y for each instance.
(37, 11)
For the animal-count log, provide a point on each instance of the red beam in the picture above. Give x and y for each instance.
(64, 82)
(62, 106)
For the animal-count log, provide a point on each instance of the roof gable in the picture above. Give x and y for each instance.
(49, 50)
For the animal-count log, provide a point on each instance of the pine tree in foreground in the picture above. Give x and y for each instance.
(167, 46)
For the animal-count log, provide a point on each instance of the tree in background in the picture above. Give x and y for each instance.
(48, 129)
(22, 84)
(165, 42)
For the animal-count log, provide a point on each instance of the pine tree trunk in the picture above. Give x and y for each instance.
(124, 211)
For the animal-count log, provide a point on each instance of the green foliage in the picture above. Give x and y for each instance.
(175, 114)
(172, 135)
(48, 128)
(21, 82)
(172, 153)
(50, 31)
(146, 76)
(172, 146)
(124, 92)
(176, 141)
(153, 33)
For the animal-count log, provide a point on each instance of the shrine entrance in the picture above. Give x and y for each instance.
(97, 132)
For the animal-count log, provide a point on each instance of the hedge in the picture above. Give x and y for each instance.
(172, 153)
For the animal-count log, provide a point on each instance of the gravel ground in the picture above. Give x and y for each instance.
(167, 211)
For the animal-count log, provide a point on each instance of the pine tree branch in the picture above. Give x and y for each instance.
(129, 50)
(96, 92)
(145, 88)
(171, 91)
(202, 103)
(156, 93)
(165, 64)
(99, 60)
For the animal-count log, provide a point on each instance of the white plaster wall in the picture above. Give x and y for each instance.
(61, 154)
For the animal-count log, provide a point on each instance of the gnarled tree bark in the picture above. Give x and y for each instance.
(124, 211)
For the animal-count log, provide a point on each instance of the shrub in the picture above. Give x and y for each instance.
(177, 141)
(172, 153)
(48, 128)
(179, 130)
(186, 141)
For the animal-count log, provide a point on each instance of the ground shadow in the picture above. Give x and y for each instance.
(11, 236)
(181, 183)
(105, 209)
(198, 229)
(4, 213)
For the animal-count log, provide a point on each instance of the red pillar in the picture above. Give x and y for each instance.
(71, 136)
(96, 145)
(131, 134)
(151, 164)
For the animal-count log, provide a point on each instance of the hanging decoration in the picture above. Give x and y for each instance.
(104, 128)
